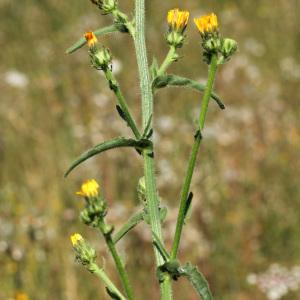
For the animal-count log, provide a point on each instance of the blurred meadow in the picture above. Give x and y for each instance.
(244, 232)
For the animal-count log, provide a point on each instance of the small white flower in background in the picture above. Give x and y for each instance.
(100, 100)
(16, 79)
(254, 47)
(290, 68)
(277, 281)
(116, 66)
(165, 124)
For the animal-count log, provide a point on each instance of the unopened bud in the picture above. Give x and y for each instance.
(85, 254)
(229, 47)
(107, 6)
(101, 59)
(107, 229)
(175, 39)
(212, 44)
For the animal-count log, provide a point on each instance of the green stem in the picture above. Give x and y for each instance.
(193, 157)
(99, 272)
(147, 111)
(167, 62)
(118, 262)
(122, 101)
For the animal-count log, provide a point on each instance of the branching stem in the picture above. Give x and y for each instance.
(170, 58)
(193, 157)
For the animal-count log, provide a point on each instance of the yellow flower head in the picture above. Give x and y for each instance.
(178, 19)
(90, 188)
(207, 24)
(90, 38)
(21, 296)
(75, 238)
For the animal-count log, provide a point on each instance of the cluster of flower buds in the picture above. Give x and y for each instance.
(213, 43)
(177, 21)
(100, 58)
(107, 6)
(96, 207)
(85, 254)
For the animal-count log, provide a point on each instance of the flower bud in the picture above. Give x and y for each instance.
(85, 254)
(101, 59)
(90, 38)
(229, 47)
(212, 45)
(107, 229)
(107, 6)
(175, 39)
(177, 21)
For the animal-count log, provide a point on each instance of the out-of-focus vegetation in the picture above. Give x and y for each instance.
(54, 106)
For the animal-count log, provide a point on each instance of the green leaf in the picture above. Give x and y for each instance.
(187, 209)
(81, 42)
(178, 81)
(130, 224)
(160, 247)
(112, 294)
(115, 143)
(147, 131)
(197, 280)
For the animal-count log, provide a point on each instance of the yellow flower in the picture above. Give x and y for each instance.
(178, 19)
(75, 238)
(90, 38)
(90, 188)
(207, 24)
(21, 296)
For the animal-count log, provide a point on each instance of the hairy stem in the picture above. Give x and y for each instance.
(118, 262)
(99, 272)
(193, 157)
(167, 62)
(147, 111)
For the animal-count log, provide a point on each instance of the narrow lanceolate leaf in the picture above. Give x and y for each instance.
(81, 42)
(187, 209)
(112, 295)
(130, 224)
(148, 127)
(178, 81)
(197, 280)
(115, 143)
(160, 247)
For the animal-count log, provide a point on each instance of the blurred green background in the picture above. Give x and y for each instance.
(246, 186)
